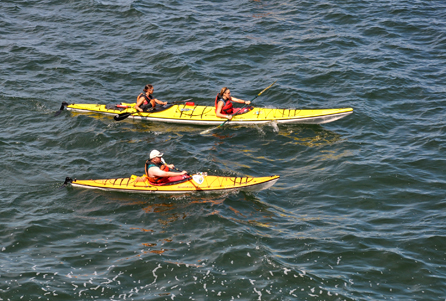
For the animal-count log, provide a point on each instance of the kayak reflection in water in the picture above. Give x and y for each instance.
(145, 100)
(223, 104)
(157, 171)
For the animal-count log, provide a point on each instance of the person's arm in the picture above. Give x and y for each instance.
(246, 102)
(159, 102)
(218, 112)
(139, 102)
(161, 173)
(171, 166)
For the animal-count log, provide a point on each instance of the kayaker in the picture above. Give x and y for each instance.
(156, 171)
(223, 104)
(145, 100)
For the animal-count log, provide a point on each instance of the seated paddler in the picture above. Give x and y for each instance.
(158, 172)
(223, 104)
(146, 101)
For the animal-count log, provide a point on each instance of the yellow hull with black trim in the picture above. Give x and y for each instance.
(205, 115)
(198, 183)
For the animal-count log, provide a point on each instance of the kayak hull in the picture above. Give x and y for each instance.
(205, 115)
(204, 183)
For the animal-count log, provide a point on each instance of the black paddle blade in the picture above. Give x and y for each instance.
(67, 181)
(64, 104)
(122, 116)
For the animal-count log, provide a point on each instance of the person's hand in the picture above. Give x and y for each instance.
(248, 102)
(184, 172)
(229, 117)
(171, 166)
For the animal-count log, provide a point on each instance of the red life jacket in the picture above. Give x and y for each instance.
(227, 108)
(156, 180)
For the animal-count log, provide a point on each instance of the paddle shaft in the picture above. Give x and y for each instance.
(164, 162)
(187, 174)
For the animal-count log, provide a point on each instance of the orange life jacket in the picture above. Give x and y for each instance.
(156, 180)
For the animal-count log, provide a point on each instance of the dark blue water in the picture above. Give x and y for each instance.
(359, 210)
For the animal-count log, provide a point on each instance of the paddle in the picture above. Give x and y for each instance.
(227, 120)
(64, 104)
(67, 181)
(123, 116)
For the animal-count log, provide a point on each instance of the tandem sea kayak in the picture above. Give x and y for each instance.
(194, 183)
(190, 113)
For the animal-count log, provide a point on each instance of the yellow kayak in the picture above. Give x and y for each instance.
(196, 183)
(190, 113)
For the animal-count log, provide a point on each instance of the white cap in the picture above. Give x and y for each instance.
(155, 153)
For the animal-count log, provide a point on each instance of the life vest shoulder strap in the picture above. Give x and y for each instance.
(147, 99)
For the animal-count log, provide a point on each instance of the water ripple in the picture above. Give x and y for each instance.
(356, 215)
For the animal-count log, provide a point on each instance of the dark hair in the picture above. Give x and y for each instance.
(147, 87)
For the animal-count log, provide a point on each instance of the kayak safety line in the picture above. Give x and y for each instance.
(202, 112)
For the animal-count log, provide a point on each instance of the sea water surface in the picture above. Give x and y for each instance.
(359, 212)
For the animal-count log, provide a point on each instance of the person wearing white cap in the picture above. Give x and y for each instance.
(157, 171)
